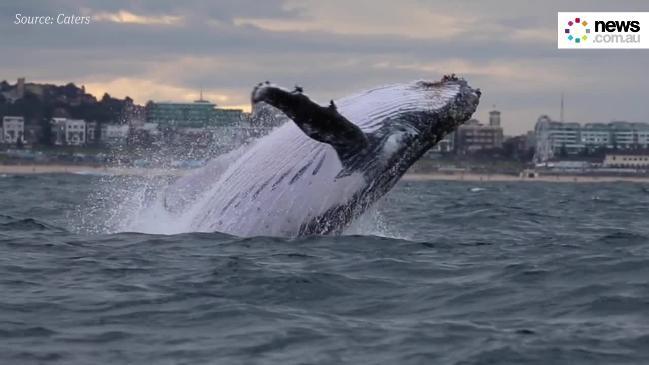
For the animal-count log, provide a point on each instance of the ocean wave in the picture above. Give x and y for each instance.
(518, 273)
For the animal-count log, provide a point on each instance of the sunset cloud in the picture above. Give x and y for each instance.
(123, 16)
(143, 90)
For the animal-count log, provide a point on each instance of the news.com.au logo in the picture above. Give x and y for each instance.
(577, 30)
(608, 30)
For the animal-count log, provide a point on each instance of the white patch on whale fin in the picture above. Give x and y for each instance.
(323, 124)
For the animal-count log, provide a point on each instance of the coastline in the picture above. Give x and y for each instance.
(428, 176)
(85, 170)
(436, 176)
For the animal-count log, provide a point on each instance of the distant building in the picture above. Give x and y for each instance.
(151, 128)
(519, 147)
(556, 138)
(179, 115)
(20, 88)
(447, 144)
(494, 118)
(622, 160)
(13, 129)
(16, 92)
(553, 138)
(626, 135)
(144, 134)
(91, 132)
(68, 132)
(199, 114)
(75, 132)
(474, 136)
(227, 117)
(114, 134)
(57, 126)
(596, 135)
(531, 139)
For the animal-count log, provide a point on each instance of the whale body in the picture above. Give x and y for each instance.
(324, 168)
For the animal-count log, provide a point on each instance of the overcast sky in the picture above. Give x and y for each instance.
(168, 50)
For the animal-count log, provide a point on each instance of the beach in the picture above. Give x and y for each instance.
(565, 178)
(84, 169)
(419, 176)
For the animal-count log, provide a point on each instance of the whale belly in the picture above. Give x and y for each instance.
(282, 182)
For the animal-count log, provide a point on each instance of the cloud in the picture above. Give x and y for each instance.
(404, 18)
(142, 90)
(407, 19)
(123, 16)
(169, 50)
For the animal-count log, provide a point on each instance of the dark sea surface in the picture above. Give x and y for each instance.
(474, 273)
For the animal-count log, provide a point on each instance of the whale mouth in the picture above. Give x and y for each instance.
(459, 107)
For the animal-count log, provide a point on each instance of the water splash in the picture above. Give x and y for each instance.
(374, 223)
(141, 203)
(137, 204)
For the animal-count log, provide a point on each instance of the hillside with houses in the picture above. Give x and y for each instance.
(45, 119)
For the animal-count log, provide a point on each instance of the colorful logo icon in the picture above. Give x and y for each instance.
(577, 30)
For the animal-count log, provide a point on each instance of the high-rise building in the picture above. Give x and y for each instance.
(494, 118)
(556, 138)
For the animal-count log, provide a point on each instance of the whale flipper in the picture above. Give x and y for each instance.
(323, 124)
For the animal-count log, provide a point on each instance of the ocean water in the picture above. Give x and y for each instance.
(439, 273)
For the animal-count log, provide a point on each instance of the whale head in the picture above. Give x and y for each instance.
(403, 121)
(429, 109)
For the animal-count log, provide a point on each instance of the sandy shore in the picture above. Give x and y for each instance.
(83, 170)
(433, 176)
(502, 177)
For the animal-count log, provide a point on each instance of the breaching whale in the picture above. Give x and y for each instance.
(318, 173)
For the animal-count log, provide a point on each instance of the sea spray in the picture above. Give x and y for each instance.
(142, 202)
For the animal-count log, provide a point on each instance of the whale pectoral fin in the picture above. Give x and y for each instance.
(324, 124)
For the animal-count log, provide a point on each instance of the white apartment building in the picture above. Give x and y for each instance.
(13, 129)
(68, 132)
(75, 132)
(114, 134)
(553, 138)
(91, 132)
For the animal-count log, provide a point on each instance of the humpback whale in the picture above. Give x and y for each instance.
(322, 169)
